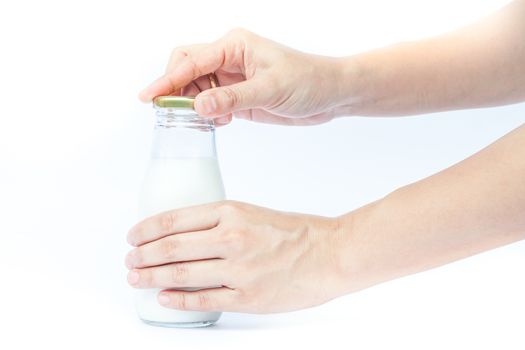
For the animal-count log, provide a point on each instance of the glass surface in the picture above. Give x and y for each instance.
(183, 171)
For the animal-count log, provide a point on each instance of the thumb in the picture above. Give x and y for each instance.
(227, 99)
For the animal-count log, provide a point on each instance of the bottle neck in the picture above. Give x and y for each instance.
(183, 134)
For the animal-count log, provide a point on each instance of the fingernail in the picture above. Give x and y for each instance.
(133, 277)
(163, 299)
(206, 104)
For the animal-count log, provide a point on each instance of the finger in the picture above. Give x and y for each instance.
(180, 53)
(177, 248)
(210, 299)
(189, 68)
(190, 274)
(196, 218)
(253, 93)
(224, 78)
(223, 120)
(177, 92)
(203, 83)
(196, 87)
(191, 90)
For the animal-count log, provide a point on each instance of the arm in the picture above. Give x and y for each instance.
(268, 261)
(478, 66)
(481, 65)
(476, 205)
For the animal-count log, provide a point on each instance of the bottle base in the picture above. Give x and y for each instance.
(198, 324)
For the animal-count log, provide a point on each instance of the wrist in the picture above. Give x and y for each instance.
(327, 236)
(353, 246)
(349, 92)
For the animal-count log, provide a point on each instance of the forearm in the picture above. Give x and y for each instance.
(478, 66)
(471, 207)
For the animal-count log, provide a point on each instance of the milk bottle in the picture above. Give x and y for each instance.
(183, 171)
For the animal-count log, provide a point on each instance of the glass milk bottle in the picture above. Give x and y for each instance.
(183, 171)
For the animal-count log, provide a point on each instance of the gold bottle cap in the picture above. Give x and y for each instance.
(177, 102)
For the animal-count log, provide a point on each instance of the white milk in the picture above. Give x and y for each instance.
(171, 183)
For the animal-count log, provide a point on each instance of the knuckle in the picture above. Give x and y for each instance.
(195, 69)
(228, 208)
(234, 239)
(179, 52)
(167, 221)
(239, 32)
(229, 235)
(204, 301)
(179, 273)
(146, 278)
(179, 302)
(168, 248)
(234, 98)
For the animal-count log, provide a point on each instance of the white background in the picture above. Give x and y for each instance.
(74, 141)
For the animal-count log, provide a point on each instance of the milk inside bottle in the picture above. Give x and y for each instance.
(183, 171)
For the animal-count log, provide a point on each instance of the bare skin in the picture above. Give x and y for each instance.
(269, 261)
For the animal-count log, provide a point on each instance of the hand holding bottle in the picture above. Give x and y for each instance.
(260, 81)
(262, 260)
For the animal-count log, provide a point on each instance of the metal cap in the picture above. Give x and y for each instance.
(177, 102)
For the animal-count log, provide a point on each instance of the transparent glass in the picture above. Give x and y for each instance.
(183, 171)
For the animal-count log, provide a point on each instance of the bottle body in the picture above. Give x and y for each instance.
(183, 171)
